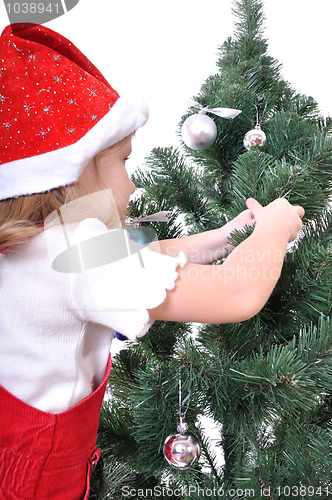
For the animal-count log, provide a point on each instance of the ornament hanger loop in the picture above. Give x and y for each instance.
(258, 125)
(163, 216)
(182, 413)
(222, 112)
(257, 117)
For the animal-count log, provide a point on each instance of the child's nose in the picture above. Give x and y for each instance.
(132, 187)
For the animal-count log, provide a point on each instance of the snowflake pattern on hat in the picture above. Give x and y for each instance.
(52, 99)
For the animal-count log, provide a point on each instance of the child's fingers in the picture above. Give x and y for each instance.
(300, 211)
(253, 206)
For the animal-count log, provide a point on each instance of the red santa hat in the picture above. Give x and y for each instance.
(57, 111)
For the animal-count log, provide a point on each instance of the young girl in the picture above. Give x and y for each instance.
(65, 137)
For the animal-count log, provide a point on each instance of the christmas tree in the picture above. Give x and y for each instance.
(263, 384)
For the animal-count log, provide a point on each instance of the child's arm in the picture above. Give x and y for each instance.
(239, 288)
(206, 247)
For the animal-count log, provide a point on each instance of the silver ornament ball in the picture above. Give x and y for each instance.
(255, 137)
(182, 450)
(141, 234)
(199, 131)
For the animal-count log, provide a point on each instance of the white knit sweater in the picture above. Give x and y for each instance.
(56, 328)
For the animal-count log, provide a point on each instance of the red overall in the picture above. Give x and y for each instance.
(45, 456)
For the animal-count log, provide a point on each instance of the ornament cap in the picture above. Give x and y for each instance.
(182, 426)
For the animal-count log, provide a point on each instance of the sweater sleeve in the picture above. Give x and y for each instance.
(119, 293)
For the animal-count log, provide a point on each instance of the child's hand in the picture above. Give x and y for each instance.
(279, 212)
(245, 218)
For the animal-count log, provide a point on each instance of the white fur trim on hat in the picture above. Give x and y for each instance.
(63, 166)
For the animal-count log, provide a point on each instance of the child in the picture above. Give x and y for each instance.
(65, 137)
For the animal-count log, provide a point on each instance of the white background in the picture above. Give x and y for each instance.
(163, 51)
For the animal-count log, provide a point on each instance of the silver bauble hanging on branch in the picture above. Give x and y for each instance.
(200, 131)
(255, 137)
(182, 449)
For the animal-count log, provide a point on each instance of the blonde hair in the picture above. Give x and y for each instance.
(24, 216)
